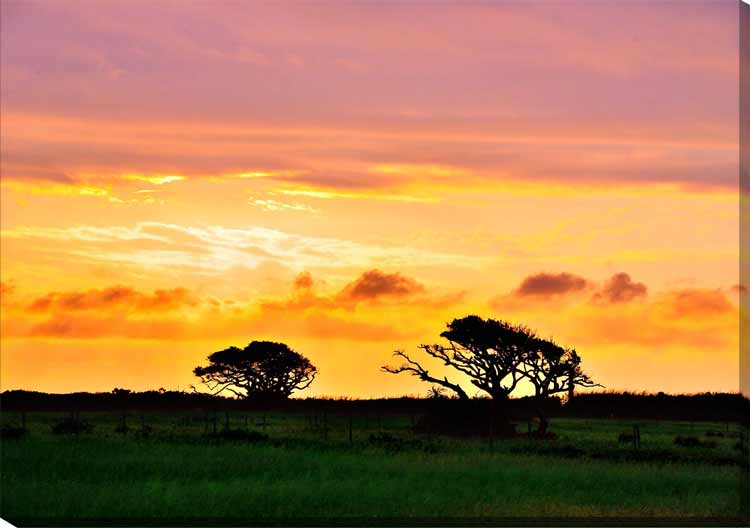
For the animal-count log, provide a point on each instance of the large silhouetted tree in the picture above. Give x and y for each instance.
(262, 370)
(496, 356)
(489, 352)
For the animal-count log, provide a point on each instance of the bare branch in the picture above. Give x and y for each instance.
(417, 370)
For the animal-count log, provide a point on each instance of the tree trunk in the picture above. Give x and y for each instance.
(500, 414)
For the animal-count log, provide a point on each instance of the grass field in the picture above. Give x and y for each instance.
(173, 469)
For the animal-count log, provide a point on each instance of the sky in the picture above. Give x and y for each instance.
(347, 177)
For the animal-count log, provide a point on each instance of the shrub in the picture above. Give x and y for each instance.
(395, 444)
(464, 419)
(72, 426)
(144, 432)
(741, 448)
(122, 429)
(9, 432)
(239, 435)
(691, 441)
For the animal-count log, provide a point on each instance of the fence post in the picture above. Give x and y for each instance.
(636, 436)
(351, 441)
(226, 419)
(639, 436)
(492, 423)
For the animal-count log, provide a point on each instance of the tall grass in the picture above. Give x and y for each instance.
(106, 478)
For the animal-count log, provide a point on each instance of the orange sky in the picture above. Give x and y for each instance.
(346, 178)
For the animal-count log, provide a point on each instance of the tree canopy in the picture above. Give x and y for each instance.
(261, 370)
(552, 369)
(496, 356)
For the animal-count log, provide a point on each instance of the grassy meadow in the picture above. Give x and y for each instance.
(287, 467)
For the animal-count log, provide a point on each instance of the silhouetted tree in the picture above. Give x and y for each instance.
(120, 393)
(262, 370)
(489, 352)
(496, 356)
(552, 369)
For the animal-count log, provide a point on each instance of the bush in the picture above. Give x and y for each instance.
(72, 426)
(9, 432)
(122, 429)
(386, 441)
(144, 432)
(741, 448)
(563, 451)
(238, 435)
(394, 444)
(464, 419)
(691, 441)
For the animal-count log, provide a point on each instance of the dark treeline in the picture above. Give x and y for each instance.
(709, 406)
(723, 407)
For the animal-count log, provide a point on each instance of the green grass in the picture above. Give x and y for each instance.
(299, 475)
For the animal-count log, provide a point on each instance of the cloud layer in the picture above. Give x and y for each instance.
(305, 100)
(113, 298)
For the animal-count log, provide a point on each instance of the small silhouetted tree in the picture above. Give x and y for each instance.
(552, 369)
(263, 370)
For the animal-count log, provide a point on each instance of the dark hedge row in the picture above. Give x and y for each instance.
(695, 407)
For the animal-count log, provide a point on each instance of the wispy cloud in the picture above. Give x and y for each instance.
(155, 179)
(275, 205)
(218, 248)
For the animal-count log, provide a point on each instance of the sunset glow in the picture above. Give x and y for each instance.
(346, 178)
